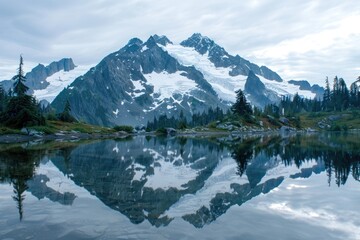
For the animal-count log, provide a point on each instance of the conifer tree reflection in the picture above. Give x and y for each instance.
(242, 152)
(19, 167)
(19, 188)
(340, 158)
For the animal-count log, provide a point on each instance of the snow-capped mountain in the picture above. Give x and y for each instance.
(146, 79)
(46, 82)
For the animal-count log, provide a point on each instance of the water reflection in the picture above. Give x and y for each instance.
(159, 179)
(338, 155)
(17, 167)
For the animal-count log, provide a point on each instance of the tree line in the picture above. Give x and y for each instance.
(181, 122)
(338, 98)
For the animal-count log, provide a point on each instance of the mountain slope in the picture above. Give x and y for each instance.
(136, 83)
(146, 79)
(227, 73)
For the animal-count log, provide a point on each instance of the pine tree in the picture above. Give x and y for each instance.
(344, 94)
(327, 96)
(66, 116)
(3, 99)
(241, 106)
(21, 109)
(19, 85)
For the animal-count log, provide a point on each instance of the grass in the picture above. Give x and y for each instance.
(349, 120)
(56, 126)
(52, 127)
(6, 130)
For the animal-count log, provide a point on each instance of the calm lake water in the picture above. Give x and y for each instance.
(255, 187)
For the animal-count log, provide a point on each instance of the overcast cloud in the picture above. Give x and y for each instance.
(298, 39)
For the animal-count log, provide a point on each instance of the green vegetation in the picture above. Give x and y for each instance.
(65, 116)
(57, 126)
(128, 129)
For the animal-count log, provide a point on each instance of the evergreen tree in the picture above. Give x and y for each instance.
(326, 96)
(3, 99)
(241, 106)
(19, 85)
(344, 95)
(354, 95)
(66, 116)
(21, 109)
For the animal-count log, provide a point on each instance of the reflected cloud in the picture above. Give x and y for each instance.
(318, 217)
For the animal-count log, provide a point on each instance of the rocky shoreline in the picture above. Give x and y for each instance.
(74, 136)
(19, 138)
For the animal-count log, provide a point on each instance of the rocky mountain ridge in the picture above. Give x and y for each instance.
(146, 79)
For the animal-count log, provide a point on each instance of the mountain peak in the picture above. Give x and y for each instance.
(162, 40)
(201, 43)
(135, 41)
(151, 42)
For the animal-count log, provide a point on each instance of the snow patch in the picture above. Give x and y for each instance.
(219, 78)
(144, 48)
(58, 81)
(166, 84)
(116, 112)
(284, 88)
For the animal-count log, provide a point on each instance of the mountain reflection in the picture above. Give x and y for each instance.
(159, 179)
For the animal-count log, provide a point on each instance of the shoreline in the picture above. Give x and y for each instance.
(71, 136)
(20, 138)
(77, 136)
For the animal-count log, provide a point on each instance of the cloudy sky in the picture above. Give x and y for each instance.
(298, 39)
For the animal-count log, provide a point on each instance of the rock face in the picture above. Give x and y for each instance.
(257, 93)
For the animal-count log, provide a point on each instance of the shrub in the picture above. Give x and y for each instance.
(128, 129)
(161, 131)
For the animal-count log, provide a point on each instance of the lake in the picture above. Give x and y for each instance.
(233, 187)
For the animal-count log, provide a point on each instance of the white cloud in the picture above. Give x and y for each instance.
(286, 36)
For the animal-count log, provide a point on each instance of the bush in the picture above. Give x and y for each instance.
(212, 125)
(128, 129)
(161, 131)
(335, 128)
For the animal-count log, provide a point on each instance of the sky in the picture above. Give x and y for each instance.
(297, 39)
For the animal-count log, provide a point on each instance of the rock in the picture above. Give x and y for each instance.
(35, 133)
(286, 129)
(24, 130)
(284, 120)
(334, 117)
(31, 132)
(171, 131)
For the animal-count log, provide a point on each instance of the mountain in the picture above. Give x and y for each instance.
(136, 83)
(145, 79)
(46, 82)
